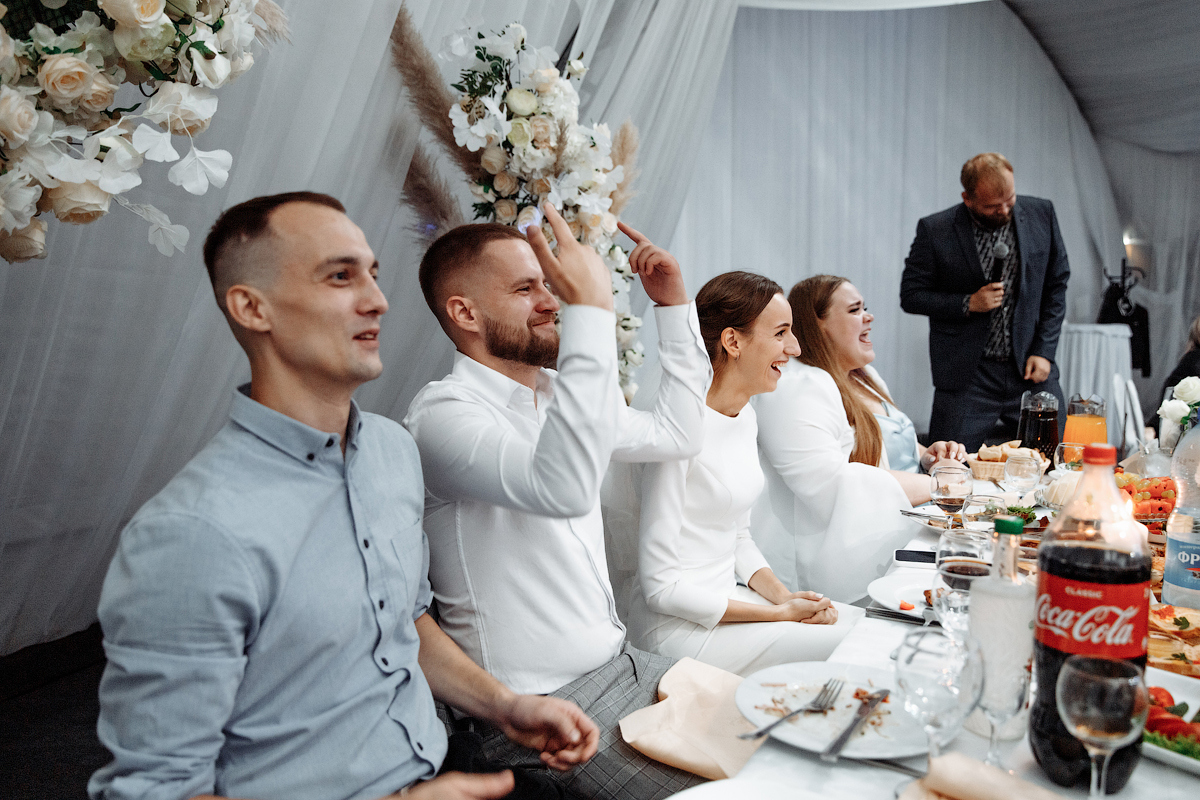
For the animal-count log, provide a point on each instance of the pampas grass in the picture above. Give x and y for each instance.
(430, 96)
(624, 154)
(274, 23)
(429, 197)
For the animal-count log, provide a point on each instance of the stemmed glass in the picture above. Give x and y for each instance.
(1104, 704)
(940, 680)
(1068, 456)
(980, 510)
(962, 556)
(951, 483)
(1003, 698)
(1021, 474)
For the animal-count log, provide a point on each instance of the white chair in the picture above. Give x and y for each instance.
(1126, 411)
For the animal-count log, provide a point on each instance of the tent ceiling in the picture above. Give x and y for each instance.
(1133, 67)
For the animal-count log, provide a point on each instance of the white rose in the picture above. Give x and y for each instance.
(8, 48)
(18, 117)
(521, 102)
(494, 158)
(240, 66)
(506, 210)
(133, 13)
(178, 9)
(529, 216)
(544, 79)
(1174, 410)
(608, 223)
(521, 133)
(211, 69)
(515, 33)
(545, 132)
(506, 184)
(181, 109)
(146, 43)
(1188, 390)
(24, 244)
(483, 193)
(540, 186)
(65, 79)
(576, 68)
(100, 95)
(76, 203)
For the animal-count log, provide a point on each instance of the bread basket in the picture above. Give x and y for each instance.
(992, 470)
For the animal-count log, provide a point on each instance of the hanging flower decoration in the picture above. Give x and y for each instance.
(521, 115)
(68, 150)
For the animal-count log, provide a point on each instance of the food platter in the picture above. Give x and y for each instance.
(1184, 690)
(889, 732)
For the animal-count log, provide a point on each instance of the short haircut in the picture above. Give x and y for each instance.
(731, 300)
(241, 225)
(982, 167)
(453, 253)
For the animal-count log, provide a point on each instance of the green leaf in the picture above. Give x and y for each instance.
(1179, 709)
(1180, 744)
(1181, 657)
(154, 70)
(1182, 623)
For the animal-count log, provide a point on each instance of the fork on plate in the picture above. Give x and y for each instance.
(822, 702)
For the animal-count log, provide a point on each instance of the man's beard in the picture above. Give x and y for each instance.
(990, 223)
(520, 344)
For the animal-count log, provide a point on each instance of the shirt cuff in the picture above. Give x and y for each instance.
(589, 331)
(677, 323)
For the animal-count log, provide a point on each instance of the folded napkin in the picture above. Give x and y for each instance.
(958, 777)
(695, 725)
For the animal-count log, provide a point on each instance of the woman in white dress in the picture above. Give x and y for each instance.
(694, 542)
(841, 459)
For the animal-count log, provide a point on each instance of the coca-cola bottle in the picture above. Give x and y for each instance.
(1093, 598)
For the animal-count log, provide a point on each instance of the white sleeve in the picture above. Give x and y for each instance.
(844, 520)
(674, 427)
(663, 486)
(465, 455)
(747, 558)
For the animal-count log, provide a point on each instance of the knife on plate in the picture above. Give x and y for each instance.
(928, 617)
(868, 705)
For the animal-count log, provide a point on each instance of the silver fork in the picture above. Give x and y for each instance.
(822, 702)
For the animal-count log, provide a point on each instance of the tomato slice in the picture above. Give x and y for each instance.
(1161, 697)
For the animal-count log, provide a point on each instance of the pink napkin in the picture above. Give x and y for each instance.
(955, 776)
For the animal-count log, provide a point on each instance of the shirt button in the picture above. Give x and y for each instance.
(311, 456)
(381, 605)
(420, 746)
(330, 442)
(384, 661)
(366, 545)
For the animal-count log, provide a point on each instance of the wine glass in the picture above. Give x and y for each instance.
(979, 512)
(940, 680)
(1104, 704)
(1068, 456)
(950, 485)
(1021, 474)
(1005, 692)
(962, 556)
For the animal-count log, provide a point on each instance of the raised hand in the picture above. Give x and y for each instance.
(658, 269)
(460, 786)
(577, 275)
(559, 729)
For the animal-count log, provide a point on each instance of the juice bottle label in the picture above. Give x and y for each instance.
(1098, 619)
(1182, 566)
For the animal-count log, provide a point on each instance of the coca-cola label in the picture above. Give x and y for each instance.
(1095, 619)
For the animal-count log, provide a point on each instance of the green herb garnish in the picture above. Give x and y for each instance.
(1024, 512)
(1182, 623)
(1181, 657)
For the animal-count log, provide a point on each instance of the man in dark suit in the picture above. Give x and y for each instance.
(991, 275)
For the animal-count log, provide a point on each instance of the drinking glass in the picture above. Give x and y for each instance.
(962, 556)
(950, 485)
(979, 512)
(1068, 456)
(1086, 420)
(1103, 703)
(940, 680)
(1021, 474)
(1004, 698)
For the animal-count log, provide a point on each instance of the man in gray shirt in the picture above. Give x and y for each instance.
(265, 614)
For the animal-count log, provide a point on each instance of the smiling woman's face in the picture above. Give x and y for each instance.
(847, 326)
(767, 349)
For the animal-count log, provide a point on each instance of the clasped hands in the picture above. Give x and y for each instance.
(578, 275)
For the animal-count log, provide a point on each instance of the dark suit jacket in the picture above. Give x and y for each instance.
(943, 268)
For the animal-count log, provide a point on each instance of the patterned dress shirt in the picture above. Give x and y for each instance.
(990, 244)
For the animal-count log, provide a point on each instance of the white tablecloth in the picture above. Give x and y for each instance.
(1088, 357)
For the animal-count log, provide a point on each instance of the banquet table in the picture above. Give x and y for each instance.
(870, 643)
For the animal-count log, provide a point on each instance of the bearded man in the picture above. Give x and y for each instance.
(514, 453)
(991, 274)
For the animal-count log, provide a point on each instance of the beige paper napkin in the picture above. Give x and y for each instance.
(959, 777)
(695, 725)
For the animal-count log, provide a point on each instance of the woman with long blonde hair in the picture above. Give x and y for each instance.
(830, 434)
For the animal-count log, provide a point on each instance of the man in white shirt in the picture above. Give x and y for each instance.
(514, 454)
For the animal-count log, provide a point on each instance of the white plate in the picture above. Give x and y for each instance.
(905, 585)
(889, 733)
(745, 789)
(1184, 690)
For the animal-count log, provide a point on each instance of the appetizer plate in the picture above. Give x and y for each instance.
(904, 585)
(888, 733)
(1184, 690)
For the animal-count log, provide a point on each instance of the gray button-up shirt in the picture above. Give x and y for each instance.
(258, 620)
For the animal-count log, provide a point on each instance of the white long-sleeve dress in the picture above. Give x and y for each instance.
(824, 523)
(695, 545)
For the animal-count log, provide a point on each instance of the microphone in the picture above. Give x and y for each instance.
(1000, 250)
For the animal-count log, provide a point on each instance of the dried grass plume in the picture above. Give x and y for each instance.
(429, 197)
(624, 154)
(274, 23)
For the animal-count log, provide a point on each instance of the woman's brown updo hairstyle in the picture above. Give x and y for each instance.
(732, 300)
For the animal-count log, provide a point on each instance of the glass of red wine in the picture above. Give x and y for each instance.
(1104, 704)
(962, 557)
(949, 486)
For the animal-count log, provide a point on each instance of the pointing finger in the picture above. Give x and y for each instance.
(638, 237)
(562, 231)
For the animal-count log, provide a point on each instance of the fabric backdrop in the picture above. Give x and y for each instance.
(834, 132)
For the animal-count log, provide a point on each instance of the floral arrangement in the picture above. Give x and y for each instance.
(1180, 411)
(67, 149)
(514, 130)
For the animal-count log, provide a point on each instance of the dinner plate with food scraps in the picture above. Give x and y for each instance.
(889, 732)
(903, 591)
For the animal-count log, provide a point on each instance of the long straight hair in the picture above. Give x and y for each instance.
(810, 300)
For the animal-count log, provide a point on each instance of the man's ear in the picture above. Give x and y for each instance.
(729, 341)
(248, 307)
(463, 314)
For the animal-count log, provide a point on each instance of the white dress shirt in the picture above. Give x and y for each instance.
(825, 523)
(512, 514)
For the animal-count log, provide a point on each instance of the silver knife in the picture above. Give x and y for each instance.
(868, 705)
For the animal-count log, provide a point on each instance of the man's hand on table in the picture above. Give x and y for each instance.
(559, 729)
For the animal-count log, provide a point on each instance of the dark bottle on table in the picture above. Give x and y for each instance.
(1038, 426)
(1093, 599)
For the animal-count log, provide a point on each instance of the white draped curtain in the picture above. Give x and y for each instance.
(834, 132)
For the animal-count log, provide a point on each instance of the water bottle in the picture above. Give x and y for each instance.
(1181, 575)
